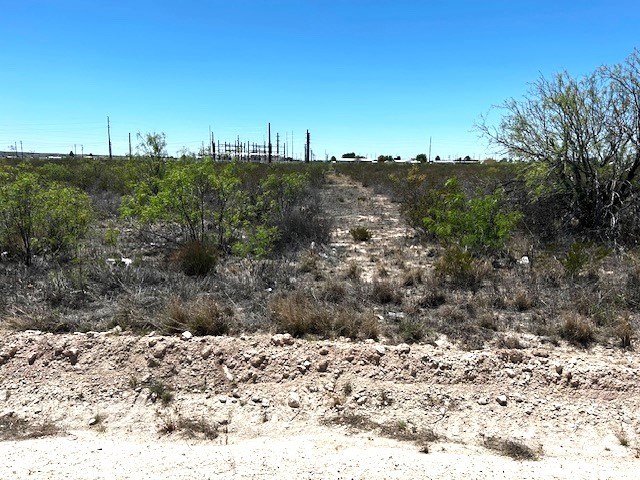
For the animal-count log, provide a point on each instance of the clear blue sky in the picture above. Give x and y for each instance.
(374, 77)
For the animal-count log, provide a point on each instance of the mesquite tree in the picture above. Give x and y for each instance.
(581, 138)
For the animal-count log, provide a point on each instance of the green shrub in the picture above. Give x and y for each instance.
(41, 217)
(479, 223)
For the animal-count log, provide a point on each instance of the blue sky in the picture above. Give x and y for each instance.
(374, 77)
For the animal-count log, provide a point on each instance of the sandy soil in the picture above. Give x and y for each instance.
(317, 409)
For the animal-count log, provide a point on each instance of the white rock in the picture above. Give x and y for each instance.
(510, 372)
(187, 335)
(380, 350)
(403, 348)
(293, 400)
(483, 401)
(502, 400)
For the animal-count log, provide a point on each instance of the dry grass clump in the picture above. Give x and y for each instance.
(189, 427)
(412, 278)
(512, 448)
(398, 430)
(13, 427)
(577, 330)
(460, 269)
(360, 234)
(384, 292)
(625, 332)
(300, 314)
(196, 258)
(200, 317)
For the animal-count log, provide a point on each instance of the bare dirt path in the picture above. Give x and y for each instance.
(276, 407)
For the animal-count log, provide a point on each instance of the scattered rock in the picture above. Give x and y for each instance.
(294, 400)
(187, 335)
(160, 350)
(72, 354)
(380, 350)
(483, 401)
(206, 352)
(403, 348)
(32, 357)
(510, 372)
(323, 365)
(4, 395)
(502, 400)
(280, 339)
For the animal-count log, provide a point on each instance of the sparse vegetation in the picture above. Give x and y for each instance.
(360, 234)
(13, 427)
(512, 448)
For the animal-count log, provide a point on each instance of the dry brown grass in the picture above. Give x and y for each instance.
(202, 316)
(301, 314)
(512, 448)
(13, 427)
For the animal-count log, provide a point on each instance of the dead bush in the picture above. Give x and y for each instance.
(625, 332)
(360, 234)
(189, 427)
(460, 269)
(412, 278)
(384, 292)
(512, 448)
(13, 427)
(300, 314)
(196, 258)
(577, 330)
(200, 317)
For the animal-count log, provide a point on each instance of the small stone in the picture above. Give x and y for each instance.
(159, 350)
(31, 359)
(256, 399)
(559, 369)
(323, 365)
(324, 351)
(4, 395)
(403, 348)
(510, 372)
(93, 421)
(293, 400)
(222, 400)
(483, 401)
(227, 374)
(72, 354)
(236, 393)
(206, 352)
(380, 350)
(187, 335)
(502, 400)
(361, 400)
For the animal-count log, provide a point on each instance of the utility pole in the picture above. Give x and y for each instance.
(75, 148)
(210, 142)
(82, 150)
(21, 150)
(269, 142)
(429, 149)
(278, 145)
(307, 151)
(130, 156)
(292, 149)
(109, 136)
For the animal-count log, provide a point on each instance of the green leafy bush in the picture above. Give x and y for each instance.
(40, 217)
(479, 223)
